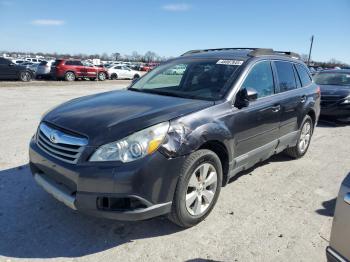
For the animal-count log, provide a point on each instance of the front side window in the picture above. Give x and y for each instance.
(286, 77)
(207, 79)
(303, 75)
(260, 78)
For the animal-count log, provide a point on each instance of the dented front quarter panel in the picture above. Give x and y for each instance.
(188, 133)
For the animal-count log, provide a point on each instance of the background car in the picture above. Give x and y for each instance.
(31, 65)
(335, 93)
(44, 68)
(71, 70)
(122, 72)
(11, 71)
(339, 245)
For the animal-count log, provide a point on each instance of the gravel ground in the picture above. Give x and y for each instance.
(280, 211)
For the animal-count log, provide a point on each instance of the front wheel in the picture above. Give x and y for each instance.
(198, 188)
(136, 76)
(304, 139)
(25, 76)
(102, 76)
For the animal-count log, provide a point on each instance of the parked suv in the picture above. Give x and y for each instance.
(71, 70)
(168, 143)
(12, 71)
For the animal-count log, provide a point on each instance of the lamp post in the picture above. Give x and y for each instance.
(312, 41)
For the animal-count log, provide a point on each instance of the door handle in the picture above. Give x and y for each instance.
(303, 99)
(347, 198)
(276, 109)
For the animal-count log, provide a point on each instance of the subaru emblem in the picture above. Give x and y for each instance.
(54, 137)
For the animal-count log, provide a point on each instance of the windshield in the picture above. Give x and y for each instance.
(339, 79)
(208, 79)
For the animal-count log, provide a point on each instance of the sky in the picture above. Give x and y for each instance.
(172, 27)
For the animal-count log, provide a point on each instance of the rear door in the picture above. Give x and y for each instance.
(291, 98)
(77, 67)
(256, 126)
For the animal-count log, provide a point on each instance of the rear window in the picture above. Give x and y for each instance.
(303, 75)
(286, 77)
(331, 78)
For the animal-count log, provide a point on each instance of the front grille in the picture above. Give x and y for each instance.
(60, 145)
(329, 100)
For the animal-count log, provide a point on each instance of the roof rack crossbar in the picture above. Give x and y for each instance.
(255, 51)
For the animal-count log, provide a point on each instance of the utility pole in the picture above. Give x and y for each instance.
(312, 41)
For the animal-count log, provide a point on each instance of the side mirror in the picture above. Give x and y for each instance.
(245, 96)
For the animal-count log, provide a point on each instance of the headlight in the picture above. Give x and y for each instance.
(347, 100)
(133, 147)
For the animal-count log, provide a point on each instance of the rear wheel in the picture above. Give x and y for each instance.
(198, 188)
(136, 76)
(69, 76)
(102, 76)
(25, 76)
(304, 138)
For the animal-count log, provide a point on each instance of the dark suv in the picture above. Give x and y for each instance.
(168, 143)
(12, 71)
(71, 70)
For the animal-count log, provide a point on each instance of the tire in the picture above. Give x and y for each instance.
(69, 76)
(114, 76)
(198, 206)
(304, 139)
(102, 76)
(136, 76)
(25, 76)
(92, 78)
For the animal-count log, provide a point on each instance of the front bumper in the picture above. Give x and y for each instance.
(130, 191)
(337, 110)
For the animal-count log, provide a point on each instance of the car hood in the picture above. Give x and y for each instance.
(335, 90)
(113, 115)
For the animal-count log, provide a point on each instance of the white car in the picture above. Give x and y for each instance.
(122, 72)
(44, 69)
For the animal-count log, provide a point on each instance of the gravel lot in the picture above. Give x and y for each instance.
(279, 211)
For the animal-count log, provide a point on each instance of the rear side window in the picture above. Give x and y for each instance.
(286, 77)
(261, 79)
(303, 75)
(75, 63)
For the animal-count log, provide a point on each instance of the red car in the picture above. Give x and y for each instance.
(71, 70)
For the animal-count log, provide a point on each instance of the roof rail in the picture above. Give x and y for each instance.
(254, 53)
(217, 49)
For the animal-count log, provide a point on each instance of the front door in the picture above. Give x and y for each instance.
(256, 126)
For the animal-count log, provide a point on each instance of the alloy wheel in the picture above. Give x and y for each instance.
(201, 189)
(305, 137)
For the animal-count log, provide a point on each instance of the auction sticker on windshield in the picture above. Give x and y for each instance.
(229, 62)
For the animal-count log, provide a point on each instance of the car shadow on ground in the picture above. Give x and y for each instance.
(331, 123)
(275, 158)
(34, 225)
(328, 208)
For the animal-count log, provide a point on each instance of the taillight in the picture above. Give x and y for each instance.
(318, 91)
